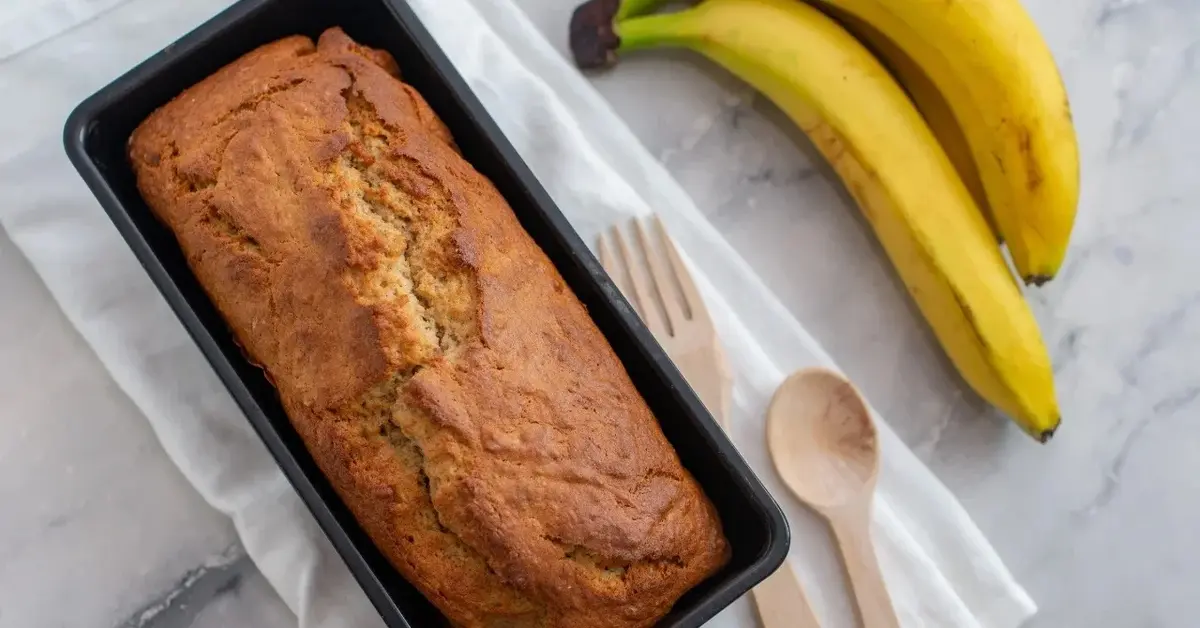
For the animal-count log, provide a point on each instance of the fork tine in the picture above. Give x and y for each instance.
(663, 283)
(617, 273)
(651, 315)
(691, 294)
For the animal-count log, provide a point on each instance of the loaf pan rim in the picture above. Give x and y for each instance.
(84, 117)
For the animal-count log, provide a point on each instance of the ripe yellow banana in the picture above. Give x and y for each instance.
(862, 122)
(991, 67)
(924, 93)
(929, 101)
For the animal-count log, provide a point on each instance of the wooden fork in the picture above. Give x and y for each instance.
(661, 290)
(669, 304)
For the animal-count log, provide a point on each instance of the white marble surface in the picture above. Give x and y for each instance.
(97, 528)
(1099, 524)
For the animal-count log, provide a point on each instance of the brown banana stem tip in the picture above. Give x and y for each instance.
(592, 38)
(1037, 280)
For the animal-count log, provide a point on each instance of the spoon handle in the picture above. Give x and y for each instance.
(781, 602)
(852, 528)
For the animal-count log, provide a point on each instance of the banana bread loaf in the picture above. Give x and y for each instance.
(448, 383)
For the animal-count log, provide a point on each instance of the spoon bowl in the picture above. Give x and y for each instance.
(822, 439)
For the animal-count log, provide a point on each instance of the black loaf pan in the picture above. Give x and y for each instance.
(96, 136)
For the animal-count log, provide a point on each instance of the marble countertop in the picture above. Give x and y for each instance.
(1098, 525)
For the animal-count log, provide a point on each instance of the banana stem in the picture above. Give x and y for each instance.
(597, 35)
(632, 8)
(650, 31)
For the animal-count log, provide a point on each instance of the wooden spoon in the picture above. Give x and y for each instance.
(824, 446)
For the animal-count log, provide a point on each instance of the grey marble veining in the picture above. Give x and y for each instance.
(226, 590)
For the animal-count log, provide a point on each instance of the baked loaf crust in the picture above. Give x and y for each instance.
(448, 383)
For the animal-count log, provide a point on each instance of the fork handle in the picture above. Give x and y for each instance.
(707, 372)
(781, 602)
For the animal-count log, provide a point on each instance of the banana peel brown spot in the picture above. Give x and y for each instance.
(593, 40)
(972, 323)
(1037, 280)
(1033, 170)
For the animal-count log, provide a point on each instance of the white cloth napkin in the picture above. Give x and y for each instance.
(940, 569)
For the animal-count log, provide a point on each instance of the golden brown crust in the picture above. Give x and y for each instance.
(445, 379)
